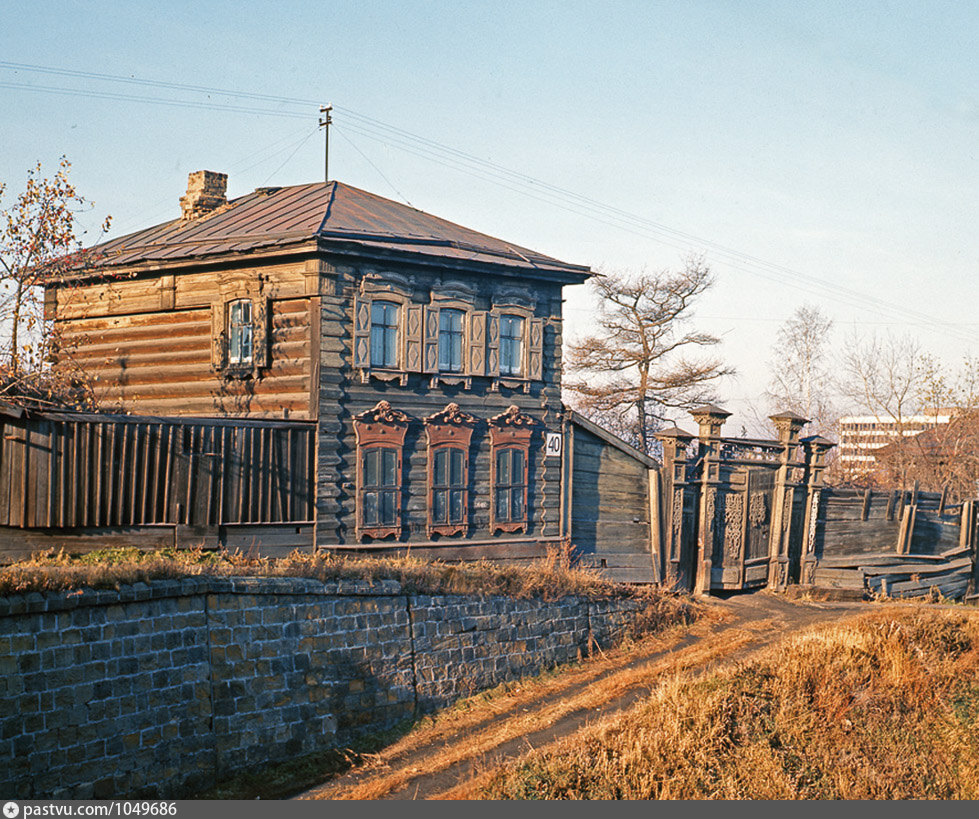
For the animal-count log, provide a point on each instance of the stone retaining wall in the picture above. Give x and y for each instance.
(160, 689)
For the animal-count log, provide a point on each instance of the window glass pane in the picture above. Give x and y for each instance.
(455, 506)
(518, 477)
(370, 508)
(387, 511)
(234, 344)
(389, 467)
(390, 347)
(516, 504)
(503, 467)
(370, 467)
(438, 506)
(456, 478)
(450, 321)
(440, 470)
(377, 347)
(246, 343)
(502, 507)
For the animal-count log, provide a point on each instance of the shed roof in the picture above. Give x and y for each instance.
(337, 216)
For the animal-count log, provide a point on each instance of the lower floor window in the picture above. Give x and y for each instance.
(511, 485)
(380, 486)
(448, 486)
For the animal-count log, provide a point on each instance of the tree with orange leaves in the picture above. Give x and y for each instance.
(37, 242)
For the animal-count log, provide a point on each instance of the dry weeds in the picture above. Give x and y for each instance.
(885, 706)
(550, 579)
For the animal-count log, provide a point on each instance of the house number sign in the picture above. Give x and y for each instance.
(552, 445)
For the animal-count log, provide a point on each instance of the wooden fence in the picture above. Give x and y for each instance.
(73, 472)
(899, 543)
(739, 514)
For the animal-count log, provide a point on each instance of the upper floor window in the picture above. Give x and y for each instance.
(450, 340)
(511, 345)
(240, 332)
(384, 334)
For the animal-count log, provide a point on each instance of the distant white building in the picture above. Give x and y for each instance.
(861, 435)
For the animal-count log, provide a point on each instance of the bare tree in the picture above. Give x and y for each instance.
(946, 454)
(633, 373)
(37, 243)
(882, 376)
(801, 381)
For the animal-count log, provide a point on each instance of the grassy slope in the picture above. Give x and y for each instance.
(882, 707)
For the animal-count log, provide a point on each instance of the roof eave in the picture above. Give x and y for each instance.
(564, 274)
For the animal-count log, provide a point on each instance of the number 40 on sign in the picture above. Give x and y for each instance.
(552, 445)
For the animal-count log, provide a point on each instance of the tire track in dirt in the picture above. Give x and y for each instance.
(441, 760)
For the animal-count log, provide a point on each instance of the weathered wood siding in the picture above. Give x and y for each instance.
(69, 477)
(146, 343)
(343, 394)
(901, 544)
(610, 526)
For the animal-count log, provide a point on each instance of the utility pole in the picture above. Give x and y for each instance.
(325, 120)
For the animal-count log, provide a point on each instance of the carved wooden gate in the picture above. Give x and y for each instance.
(742, 529)
(738, 511)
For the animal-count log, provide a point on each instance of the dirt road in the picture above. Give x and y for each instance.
(442, 758)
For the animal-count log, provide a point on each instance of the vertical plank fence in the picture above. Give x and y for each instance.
(75, 471)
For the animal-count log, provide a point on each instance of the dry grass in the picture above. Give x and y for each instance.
(110, 568)
(481, 724)
(883, 707)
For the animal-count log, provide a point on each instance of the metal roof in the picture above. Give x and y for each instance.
(334, 214)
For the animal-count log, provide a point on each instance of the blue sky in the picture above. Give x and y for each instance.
(829, 140)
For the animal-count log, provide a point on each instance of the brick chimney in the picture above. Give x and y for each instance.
(206, 191)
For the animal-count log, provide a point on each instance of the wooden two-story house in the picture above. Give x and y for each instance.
(427, 354)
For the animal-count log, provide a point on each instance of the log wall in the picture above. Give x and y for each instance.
(345, 393)
(146, 343)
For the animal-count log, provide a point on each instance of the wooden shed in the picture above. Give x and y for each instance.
(611, 499)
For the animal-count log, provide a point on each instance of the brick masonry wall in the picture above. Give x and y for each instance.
(159, 689)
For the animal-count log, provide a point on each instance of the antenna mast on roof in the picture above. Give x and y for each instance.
(325, 120)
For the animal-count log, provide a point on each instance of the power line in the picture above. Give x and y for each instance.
(499, 175)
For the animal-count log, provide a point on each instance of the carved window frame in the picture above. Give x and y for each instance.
(391, 288)
(449, 429)
(241, 318)
(510, 430)
(531, 346)
(452, 295)
(380, 428)
(261, 335)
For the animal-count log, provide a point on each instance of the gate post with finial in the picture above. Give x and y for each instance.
(790, 476)
(709, 420)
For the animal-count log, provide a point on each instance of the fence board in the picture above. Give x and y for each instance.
(82, 471)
